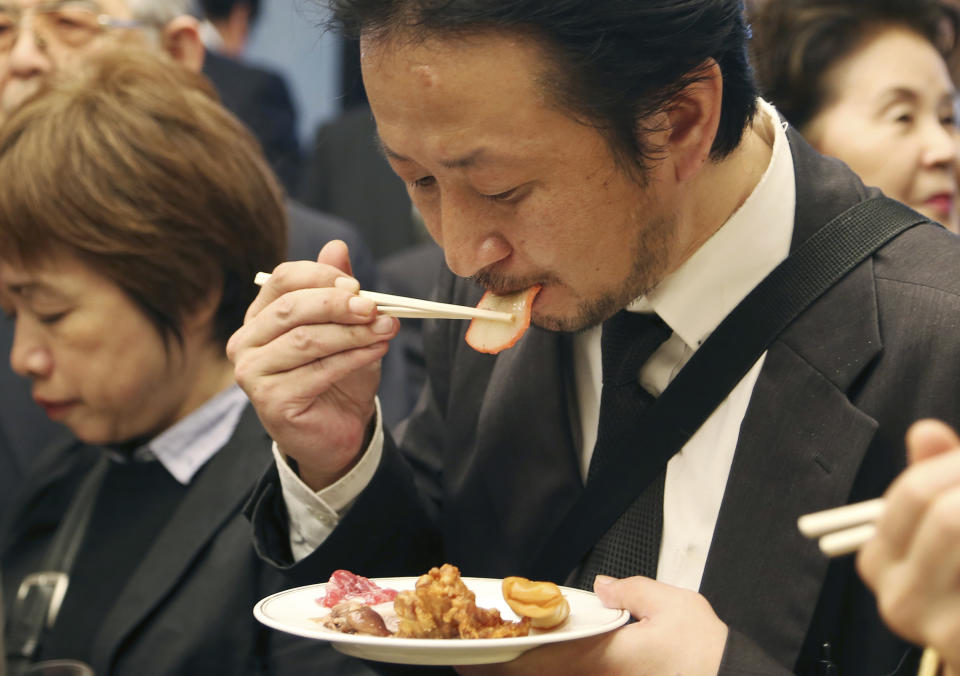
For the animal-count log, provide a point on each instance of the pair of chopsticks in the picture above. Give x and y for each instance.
(401, 306)
(844, 530)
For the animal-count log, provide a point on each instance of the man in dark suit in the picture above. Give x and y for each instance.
(258, 96)
(623, 163)
(262, 101)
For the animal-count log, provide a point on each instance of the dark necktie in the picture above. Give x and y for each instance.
(632, 545)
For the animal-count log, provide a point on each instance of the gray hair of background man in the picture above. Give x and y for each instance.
(159, 13)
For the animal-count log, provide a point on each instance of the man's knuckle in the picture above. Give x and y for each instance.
(304, 339)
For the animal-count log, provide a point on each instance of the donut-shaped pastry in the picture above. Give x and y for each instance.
(542, 602)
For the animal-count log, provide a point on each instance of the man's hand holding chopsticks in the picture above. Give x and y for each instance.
(308, 357)
(913, 562)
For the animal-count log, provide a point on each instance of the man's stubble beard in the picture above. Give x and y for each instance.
(651, 248)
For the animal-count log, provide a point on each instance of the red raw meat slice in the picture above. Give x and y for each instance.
(346, 586)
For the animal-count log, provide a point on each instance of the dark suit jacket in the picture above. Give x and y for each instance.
(308, 230)
(488, 462)
(412, 272)
(187, 608)
(262, 101)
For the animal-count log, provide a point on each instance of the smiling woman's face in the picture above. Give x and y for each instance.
(890, 117)
(96, 362)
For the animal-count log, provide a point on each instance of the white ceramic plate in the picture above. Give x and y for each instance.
(295, 611)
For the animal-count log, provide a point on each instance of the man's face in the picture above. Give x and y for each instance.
(46, 43)
(516, 191)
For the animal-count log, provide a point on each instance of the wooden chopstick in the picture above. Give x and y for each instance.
(929, 663)
(401, 306)
(842, 530)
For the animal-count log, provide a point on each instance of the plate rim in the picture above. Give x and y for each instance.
(619, 617)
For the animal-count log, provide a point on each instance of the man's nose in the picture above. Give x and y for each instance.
(28, 54)
(469, 237)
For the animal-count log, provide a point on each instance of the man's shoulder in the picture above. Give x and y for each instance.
(317, 223)
(925, 258)
(224, 71)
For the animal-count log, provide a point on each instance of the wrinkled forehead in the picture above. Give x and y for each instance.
(116, 8)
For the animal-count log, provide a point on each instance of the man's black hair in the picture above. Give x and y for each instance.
(216, 10)
(614, 62)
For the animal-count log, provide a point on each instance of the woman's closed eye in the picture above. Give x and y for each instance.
(50, 318)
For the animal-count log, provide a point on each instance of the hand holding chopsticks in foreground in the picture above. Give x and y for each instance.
(308, 357)
(913, 562)
(909, 545)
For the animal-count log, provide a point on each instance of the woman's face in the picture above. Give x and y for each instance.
(97, 364)
(890, 117)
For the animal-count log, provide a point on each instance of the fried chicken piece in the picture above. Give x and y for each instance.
(441, 606)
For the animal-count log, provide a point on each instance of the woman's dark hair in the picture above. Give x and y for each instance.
(614, 63)
(795, 43)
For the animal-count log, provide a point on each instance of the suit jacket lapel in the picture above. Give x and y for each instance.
(785, 466)
(788, 465)
(215, 495)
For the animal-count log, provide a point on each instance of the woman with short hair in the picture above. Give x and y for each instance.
(134, 214)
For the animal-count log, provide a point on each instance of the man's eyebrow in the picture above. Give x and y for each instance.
(468, 160)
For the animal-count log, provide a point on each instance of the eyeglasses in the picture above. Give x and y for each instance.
(72, 24)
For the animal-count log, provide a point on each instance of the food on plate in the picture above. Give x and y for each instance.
(441, 606)
(491, 336)
(354, 617)
(542, 602)
(346, 586)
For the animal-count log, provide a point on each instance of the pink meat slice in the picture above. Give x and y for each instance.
(346, 586)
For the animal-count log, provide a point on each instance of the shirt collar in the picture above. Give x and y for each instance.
(695, 298)
(187, 446)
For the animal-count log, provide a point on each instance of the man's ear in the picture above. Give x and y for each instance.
(694, 117)
(181, 40)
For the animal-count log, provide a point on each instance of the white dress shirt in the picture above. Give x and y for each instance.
(692, 301)
(187, 446)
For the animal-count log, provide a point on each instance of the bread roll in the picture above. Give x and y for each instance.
(542, 602)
